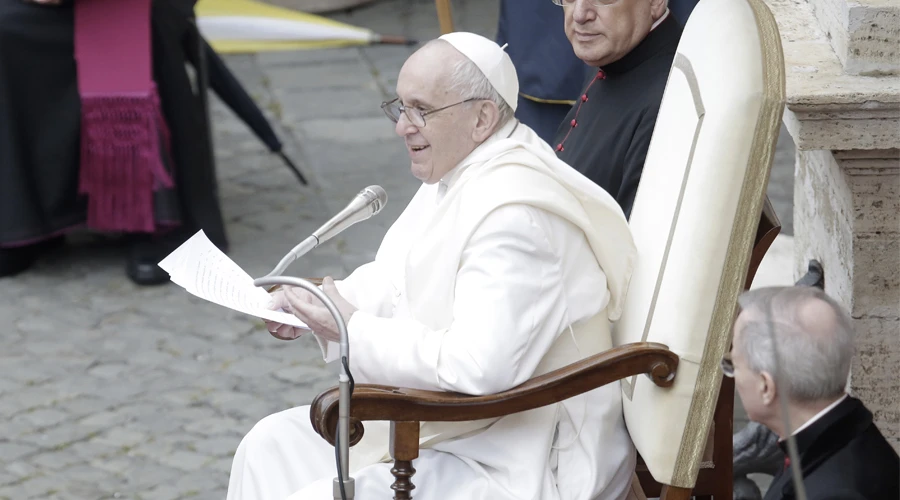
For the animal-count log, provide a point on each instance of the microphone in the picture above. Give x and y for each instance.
(364, 205)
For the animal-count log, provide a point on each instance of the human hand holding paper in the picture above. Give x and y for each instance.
(311, 311)
(203, 270)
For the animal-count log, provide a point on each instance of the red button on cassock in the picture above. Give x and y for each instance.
(559, 147)
(574, 123)
(584, 98)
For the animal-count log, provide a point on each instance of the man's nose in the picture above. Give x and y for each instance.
(583, 11)
(404, 127)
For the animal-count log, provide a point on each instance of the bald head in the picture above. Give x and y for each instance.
(811, 332)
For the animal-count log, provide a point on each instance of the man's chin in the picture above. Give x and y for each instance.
(422, 173)
(590, 54)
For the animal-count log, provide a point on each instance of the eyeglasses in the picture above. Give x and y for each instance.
(415, 115)
(597, 3)
(727, 366)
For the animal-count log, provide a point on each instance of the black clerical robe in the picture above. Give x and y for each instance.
(843, 456)
(40, 113)
(550, 74)
(607, 133)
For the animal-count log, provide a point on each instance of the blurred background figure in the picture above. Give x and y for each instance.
(681, 9)
(126, 151)
(550, 74)
(842, 453)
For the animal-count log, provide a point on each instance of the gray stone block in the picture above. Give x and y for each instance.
(40, 487)
(329, 103)
(184, 460)
(213, 427)
(6, 479)
(11, 452)
(346, 73)
(219, 446)
(268, 60)
(21, 469)
(60, 436)
(123, 437)
(12, 493)
(56, 460)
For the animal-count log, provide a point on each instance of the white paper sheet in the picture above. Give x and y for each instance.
(203, 270)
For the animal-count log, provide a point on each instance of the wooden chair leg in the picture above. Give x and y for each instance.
(445, 16)
(675, 493)
(404, 449)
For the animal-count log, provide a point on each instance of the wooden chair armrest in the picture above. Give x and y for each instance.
(378, 402)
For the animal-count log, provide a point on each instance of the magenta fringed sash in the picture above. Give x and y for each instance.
(121, 122)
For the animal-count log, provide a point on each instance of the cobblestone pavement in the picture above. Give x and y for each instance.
(114, 391)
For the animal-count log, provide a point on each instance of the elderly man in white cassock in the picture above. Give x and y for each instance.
(506, 264)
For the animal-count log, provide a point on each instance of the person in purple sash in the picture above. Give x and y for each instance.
(100, 129)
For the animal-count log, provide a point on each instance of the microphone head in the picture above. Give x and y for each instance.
(367, 203)
(376, 197)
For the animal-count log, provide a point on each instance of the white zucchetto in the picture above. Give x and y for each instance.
(492, 60)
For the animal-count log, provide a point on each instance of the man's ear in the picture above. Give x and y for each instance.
(658, 8)
(486, 120)
(768, 392)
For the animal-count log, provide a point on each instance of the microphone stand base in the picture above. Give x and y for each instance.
(349, 488)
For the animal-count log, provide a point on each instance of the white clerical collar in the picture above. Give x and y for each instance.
(450, 177)
(819, 415)
(660, 20)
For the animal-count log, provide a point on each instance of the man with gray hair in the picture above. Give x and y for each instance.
(507, 264)
(797, 343)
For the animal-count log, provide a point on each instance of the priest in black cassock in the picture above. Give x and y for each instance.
(841, 453)
(607, 132)
(550, 74)
(41, 142)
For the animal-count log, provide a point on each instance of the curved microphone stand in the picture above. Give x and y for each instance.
(343, 484)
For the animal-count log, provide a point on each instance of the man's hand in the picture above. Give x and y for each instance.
(311, 311)
(280, 330)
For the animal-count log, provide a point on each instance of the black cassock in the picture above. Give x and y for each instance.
(40, 111)
(843, 456)
(607, 133)
(550, 74)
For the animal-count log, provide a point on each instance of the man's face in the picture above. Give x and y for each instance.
(603, 34)
(750, 385)
(446, 139)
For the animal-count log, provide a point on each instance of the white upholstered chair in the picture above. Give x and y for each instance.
(694, 220)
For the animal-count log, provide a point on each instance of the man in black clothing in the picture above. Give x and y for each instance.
(607, 132)
(842, 453)
(40, 112)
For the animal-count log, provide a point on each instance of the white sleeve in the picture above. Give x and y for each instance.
(507, 312)
(370, 289)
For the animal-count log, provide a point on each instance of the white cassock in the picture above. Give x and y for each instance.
(510, 267)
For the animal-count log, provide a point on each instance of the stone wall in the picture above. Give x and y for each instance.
(843, 112)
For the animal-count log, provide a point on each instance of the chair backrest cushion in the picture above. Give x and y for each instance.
(694, 220)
